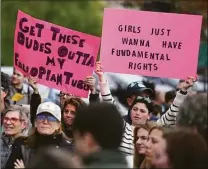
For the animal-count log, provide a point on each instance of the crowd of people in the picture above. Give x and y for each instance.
(169, 131)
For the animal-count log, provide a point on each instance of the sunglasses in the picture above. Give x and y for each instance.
(49, 118)
(12, 120)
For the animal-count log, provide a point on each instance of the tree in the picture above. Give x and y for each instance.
(84, 16)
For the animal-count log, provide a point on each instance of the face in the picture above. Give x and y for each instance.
(142, 136)
(69, 114)
(160, 157)
(154, 138)
(139, 114)
(47, 124)
(17, 77)
(12, 123)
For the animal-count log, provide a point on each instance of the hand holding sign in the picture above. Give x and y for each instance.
(33, 83)
(90, 81)
(99, 71)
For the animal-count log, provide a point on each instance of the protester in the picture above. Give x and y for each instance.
(154, 137)
(193, 114)
(98, 131)
(181, 149)
(19, 92)
(169, 118)
(47, 132)
(13, 125)
(68, 114)
(140, 140)
(55, 158)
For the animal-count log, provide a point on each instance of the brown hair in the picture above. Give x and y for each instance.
(75, 101)
(146, 163)
(186, 150)
(138, 158)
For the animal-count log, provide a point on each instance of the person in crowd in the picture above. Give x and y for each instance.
(19, 92)
(140, 139)
(193, 114)
(13, 124)
(97, 140)
(46, 132)
(69, 110)
(169, 97)
(169, 118)
(181, 149)
(55, 158)
(154, 137)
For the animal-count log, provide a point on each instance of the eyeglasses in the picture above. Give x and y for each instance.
(12, 120)
(49, 118)
(144, 98)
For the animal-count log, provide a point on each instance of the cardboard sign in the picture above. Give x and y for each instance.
(59, 57)
(150, 43)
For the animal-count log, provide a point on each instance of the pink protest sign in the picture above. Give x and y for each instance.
(150, 43)
(59, 57)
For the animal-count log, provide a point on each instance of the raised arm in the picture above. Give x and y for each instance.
(94, 94)
(103, 83)
(35, 100)
(169, 118)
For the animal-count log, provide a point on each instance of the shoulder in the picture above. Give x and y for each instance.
(20, 140)
(66, 141)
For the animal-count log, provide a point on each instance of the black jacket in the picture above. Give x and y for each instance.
(58, 141)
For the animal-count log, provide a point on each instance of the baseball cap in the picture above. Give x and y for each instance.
(138, 87)
(51, 108)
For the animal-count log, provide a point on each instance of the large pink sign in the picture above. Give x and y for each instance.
(59, 57)
(150, 43)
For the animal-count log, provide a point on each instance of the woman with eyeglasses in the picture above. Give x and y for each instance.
(47, 132)
(14, 123)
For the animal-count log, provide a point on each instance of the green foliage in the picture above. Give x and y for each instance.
(84, 16)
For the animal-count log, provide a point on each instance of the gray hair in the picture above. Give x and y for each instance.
(193, 112)
(24, 114)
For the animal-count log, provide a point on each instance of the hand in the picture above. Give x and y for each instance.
(189, 82)
(99, 71)
(33, 83)
(19, 164)
(90, 81)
